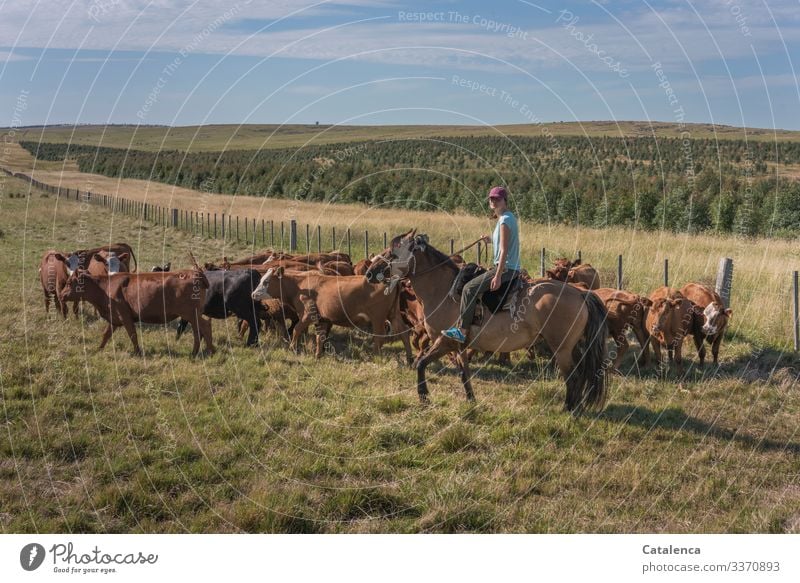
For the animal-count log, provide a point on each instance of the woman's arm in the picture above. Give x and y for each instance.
(505, 234)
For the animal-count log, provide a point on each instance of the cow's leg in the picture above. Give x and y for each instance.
(301, 326)
(644, 339)
(47, 302)
(130, 328)
(195, 320)
(656, 345)
(679, 355)
(699, 344)
(715, 348)
(181, 328)
(504, 358)
(621, 343)
(106, 336)
(323, 330)
(252, 334)
(205, 331)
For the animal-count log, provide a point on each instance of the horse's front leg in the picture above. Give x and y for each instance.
(466, 377)
(439, 348)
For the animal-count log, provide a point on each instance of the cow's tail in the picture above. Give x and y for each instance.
(588, 386)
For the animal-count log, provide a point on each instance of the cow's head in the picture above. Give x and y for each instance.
(75, 288)
(560, 269)
(73, 262)
(262, 290)
(662, 313)
(715, 318)
(114, 263)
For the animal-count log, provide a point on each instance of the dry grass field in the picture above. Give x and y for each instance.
(264, 440)
(252, 136)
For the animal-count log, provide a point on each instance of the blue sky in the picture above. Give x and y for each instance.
(375, 62)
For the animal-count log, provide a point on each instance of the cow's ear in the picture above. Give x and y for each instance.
(279, 272)
(646, 301)
(675, 302)
(100, 258)
(60, 257)
(728, 312)
(371, 257)
(123, 256)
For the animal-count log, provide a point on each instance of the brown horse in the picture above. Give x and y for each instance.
(570, 320)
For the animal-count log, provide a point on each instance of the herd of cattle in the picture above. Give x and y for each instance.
(270, 289)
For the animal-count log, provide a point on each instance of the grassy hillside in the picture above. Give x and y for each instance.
(263, 440)
(212, 138)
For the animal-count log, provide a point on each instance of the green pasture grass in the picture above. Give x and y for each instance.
(256, 136)
(264, 440)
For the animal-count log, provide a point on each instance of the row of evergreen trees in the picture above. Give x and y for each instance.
(664, 183)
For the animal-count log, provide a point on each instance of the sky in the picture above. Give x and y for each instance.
(731, 62)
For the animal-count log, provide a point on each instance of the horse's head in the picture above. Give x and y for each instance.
(398, 261)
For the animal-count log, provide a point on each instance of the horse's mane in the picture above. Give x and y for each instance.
(440, 258)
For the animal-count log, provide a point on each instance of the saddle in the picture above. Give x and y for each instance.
(504, 298)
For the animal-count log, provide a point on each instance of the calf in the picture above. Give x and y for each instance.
(574, 272)
(342, 301)
(53, 276)
(713, 320)
(626, 311)
(669, 320)
(229, 294)
(123, 299)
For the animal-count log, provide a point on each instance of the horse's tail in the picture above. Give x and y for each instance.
(589, 377)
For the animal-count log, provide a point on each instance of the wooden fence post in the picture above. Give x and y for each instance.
(479, 252)
(541, 261)
(174, 217)
(452, 247)
(308, 239)
(385, 244)
(333, 239)
(619, 271)
(319, 239)
(366, 244)
(293, 235)
(725, 280)
(666, 272)
(272, 234)
(796, 312)
(580, 258)
(349, 250)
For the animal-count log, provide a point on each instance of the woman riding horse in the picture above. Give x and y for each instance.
(571, 321)
(505, 241)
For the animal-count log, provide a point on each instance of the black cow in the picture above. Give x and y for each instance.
(229, 294)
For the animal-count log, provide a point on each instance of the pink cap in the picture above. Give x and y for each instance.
(498, 192)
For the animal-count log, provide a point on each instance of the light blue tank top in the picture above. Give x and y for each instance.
(512, 257)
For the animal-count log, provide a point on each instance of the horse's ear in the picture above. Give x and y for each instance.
(413, 233)
(421, 241)
(728, 312)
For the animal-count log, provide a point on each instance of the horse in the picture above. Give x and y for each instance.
(571, 321)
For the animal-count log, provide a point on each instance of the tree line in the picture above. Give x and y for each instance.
(696, 185)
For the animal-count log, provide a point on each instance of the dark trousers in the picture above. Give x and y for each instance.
(474, 289)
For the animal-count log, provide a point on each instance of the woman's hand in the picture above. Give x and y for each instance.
(495, 284)
(486, 239)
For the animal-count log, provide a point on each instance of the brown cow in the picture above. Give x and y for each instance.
(123, 299)
(53, 276)
(574, 272)
(626, 311)
(714, 318)
(361, 267)
(335, 268)
(669, 320)
(342, 301)
(311, 258)
(108, 262)
(82, 258)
